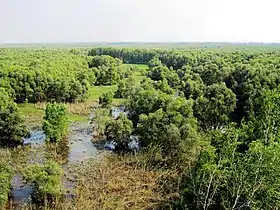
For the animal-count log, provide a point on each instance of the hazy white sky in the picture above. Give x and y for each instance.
(139, 20)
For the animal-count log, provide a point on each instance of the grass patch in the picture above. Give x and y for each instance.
(78, 118)
(33, 116)
(96, 91)
(34, 113)
(140, 66)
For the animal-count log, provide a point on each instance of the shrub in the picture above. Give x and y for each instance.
(12, 129)
(46, 180)
(55, 123)
(119, 130)
(6, 174)
(99, 120)
(106, 99)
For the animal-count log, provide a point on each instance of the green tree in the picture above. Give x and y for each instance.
(107, 69)
(6, 175)
(224, 178)
(106, 99)
(12, 128)
(119, 130)
(126, 88)
(99, 120)
(267, 119)
(216, 106)
(55, 123)
(45, 179)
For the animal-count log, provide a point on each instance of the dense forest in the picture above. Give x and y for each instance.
(204, 124)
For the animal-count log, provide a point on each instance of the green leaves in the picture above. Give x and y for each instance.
(6, 175)
(55, 123)
(119, 130)
(46, 180)
(106, 68)
(44, 75)
(214, 108)
(106, 99)
(12, 129)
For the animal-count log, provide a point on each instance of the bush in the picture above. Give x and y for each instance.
(12, 129)
(106, 99)
(126, 88)
(46, 180)
(119, 131)
(55, 123)
(6, 175)
(99, 120)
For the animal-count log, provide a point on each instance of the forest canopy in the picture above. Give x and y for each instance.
(210, 115)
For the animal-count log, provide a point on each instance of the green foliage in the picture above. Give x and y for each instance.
(107, 69)
(215, 107)
(176, 121)
(45, 179)
(230, 161)
(99, 120)
(119, 130)
(106, 99)
(145, 101)
(248, 82)
(191, 83)
(267, 118)
(12, 129)
(44, 75)
(55, 123)
(126, 88)
(163, 86)
(161, 72)
(224, 178)
(154, 62)
(6, 175)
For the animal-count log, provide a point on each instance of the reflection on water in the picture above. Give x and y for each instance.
(77, 147)
(36, 137)
(81, 147)
(59, 151)
(20, 193)
(74, 149)
(132, 145)
(115, 111)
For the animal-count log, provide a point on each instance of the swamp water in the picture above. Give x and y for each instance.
(75, 150)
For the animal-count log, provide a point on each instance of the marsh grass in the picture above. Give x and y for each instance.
(112, 182)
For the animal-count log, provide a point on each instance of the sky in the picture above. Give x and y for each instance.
(67, 21)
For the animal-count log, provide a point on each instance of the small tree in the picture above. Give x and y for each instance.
(106, 99)
(215, 107)
(99, 120)
(6, 175)
(55, 123)
(126, 88)
(46, 180)
(119, 130)
(12, 129)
